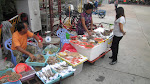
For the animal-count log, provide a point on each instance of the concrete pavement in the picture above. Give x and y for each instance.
(133, 65)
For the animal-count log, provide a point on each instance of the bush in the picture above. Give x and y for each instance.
(100, 2)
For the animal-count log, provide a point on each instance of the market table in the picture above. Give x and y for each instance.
(98, 50)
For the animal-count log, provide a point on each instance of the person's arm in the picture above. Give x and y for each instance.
(31, 35)
(25, 52)
(84, 26)
(121, 28)
(91, 24)
(37, 39)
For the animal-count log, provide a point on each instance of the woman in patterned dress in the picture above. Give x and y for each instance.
(85, 21)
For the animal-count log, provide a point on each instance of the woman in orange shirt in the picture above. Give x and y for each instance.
(19, 42)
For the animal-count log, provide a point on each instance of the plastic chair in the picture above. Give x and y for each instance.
(8, 47)
(61, 33)
(8, 44)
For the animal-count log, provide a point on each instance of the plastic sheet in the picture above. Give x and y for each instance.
(68, 47)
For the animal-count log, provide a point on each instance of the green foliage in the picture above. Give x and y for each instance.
(62, 1)
(100, 2)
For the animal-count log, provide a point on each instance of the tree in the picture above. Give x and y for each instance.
(7, 9)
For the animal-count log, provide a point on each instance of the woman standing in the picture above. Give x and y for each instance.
(118, 33)
(85, 20)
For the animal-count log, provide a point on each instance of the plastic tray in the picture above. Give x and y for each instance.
(52, 81)
(74, 65)
(2, 72)
(83, 42)
(37, 63)
(67, 75)
(54, 54)
(73, 42)
(43, 52)
(88, 47)
(57, 58)
(28, 76)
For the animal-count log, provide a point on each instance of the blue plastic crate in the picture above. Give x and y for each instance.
(52, 81)
(45, 53)
(2, 72)
(37, 63)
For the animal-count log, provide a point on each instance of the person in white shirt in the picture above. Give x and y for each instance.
(118, 33)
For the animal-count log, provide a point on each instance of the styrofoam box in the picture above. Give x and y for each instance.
(97, 50)
(78, 69)
(110, 39)
(92, 53)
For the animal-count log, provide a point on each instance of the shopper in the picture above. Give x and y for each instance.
(19, 42)
(96, 5)
(118, 33)
(116, 4)
(85, 20)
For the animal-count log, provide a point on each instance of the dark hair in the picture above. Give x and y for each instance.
(20, 26)
(119, 12)
(88, 6)
(24, 18)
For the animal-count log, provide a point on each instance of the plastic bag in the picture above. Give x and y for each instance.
(68, 47)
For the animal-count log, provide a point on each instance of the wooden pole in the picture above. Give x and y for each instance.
(51, 14)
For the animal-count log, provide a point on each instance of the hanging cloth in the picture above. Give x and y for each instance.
(6, 33)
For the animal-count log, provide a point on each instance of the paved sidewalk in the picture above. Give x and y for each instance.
(133, 65)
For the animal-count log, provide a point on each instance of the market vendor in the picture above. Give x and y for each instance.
(19, 42)
(85, 20)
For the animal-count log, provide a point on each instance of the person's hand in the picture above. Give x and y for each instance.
(32, 57)
(111, 30)
(124, 33)
(40, 44)
(89, 33)
(93, 32)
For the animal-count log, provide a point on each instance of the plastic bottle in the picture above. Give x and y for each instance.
(67, 36)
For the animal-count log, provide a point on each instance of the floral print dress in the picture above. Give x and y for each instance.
(88, 17)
